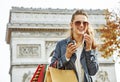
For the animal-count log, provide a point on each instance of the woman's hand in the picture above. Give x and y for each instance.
(71, 48)
(89, 41)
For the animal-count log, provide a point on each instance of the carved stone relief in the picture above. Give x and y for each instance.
(102, 76)
(50, 46)
(27, 76)
(28, 50)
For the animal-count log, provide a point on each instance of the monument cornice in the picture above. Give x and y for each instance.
(39, 25)
(54, 11)
(21, 27)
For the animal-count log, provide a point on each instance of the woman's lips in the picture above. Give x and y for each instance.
(81, 31)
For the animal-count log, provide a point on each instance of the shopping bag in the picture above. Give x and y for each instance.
(39, 74)
(60, 75)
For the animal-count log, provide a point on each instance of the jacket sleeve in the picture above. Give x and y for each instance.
(57, 56)
(91, 61)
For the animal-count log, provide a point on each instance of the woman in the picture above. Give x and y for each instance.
(77, 52)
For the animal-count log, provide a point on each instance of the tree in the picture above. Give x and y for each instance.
(110, 34)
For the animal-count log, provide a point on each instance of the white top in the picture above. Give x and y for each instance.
(78, 65)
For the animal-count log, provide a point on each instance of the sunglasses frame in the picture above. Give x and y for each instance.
(78, 23)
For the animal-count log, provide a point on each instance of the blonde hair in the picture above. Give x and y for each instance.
(89, 31)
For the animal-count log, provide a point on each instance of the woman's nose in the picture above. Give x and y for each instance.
(81, 25)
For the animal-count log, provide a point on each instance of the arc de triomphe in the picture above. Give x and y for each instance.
(32, 35)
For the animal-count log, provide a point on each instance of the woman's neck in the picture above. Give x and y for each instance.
(78, 39)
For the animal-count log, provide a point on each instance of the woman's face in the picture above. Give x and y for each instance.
(80, 24)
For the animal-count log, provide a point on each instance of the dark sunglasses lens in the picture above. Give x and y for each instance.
(77, 23)
(85, 23)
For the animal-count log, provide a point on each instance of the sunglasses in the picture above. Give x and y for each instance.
(78, 23)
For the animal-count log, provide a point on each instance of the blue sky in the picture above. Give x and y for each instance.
(5, 6)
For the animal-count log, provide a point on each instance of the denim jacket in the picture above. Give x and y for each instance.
(87, 59)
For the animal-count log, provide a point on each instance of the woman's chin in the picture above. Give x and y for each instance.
(81, 33)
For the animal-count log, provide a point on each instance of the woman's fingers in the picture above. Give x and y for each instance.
(71, 48)
(88, 40)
